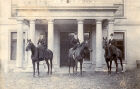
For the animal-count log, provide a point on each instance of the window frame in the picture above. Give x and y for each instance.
(9, 43)
(125, 44)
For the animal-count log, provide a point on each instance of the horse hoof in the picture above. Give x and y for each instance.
(122, 71)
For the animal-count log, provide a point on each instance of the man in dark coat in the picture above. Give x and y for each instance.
(112, 44)
(75, 41)
(112, 40)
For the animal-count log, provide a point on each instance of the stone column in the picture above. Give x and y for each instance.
(110, 27)
(51, 39)
(19, 58)
(98, 45)
(32, 30)
(31, 35)
(80, 34)
(57, 48)
(80, 30)
(51, 35)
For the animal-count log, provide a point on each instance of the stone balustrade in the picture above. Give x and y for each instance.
(41, 3)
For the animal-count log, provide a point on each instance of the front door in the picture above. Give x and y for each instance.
(64, 48)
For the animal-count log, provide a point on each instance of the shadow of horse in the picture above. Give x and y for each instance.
(112, 53)
(48, 55)
(78, 55)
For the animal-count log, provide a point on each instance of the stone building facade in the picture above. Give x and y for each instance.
(91, 19)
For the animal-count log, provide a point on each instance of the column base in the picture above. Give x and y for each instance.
(98, 69)
(18, 69)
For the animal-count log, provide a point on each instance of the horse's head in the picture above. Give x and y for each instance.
(84, 44)
(105, 42)
(85, 48)
(29, 45)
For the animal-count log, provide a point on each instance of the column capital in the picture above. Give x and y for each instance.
(111, 20)
(32, 21)
(99, 20)
(20, 20)
(50, 21)
(80, 21)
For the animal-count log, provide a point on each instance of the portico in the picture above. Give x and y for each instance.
(54, 38)
(58, 16)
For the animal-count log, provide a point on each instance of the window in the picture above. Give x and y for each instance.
(119, 37)
(14, 45)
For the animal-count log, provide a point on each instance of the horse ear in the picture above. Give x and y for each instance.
(103, 38)
(106, 38)
(27, 40)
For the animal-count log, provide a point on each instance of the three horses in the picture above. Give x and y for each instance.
(76, 55)
(112, 53)
(48, 55)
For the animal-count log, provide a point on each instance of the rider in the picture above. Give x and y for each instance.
(111, 40)
(45, 40)
(41, 46)
(75, 41)
(112, 43)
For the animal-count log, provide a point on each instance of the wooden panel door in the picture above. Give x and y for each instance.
(64, 48)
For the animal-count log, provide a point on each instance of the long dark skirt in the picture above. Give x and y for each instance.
(43, 52)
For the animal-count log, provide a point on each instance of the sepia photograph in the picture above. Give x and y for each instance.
(69, 44)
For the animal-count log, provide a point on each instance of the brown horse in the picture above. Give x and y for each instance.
(48, 55)
(112, 53)
(78, 55)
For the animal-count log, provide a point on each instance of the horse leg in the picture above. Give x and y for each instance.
(76, 66)
(73, 69)
(47, 65)
(81, 67)
(69, 65)
(107, 62)
(116, 65)
(121, 63)
(33, 68)
(38, 67)
(73, 66)
(51, 65)
(110, 65)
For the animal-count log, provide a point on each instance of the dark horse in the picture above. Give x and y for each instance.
(35, 56)
(78, 55)
(112, 53)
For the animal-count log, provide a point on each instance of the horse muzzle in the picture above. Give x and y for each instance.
(26, 49)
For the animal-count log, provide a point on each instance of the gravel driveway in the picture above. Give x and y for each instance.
(89, 80)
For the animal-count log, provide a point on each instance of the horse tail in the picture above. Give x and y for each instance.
(51, 54)
(119, 52)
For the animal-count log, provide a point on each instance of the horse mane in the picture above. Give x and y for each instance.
(32, 44)
(81, 44)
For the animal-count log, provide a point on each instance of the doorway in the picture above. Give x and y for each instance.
(64, 48)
